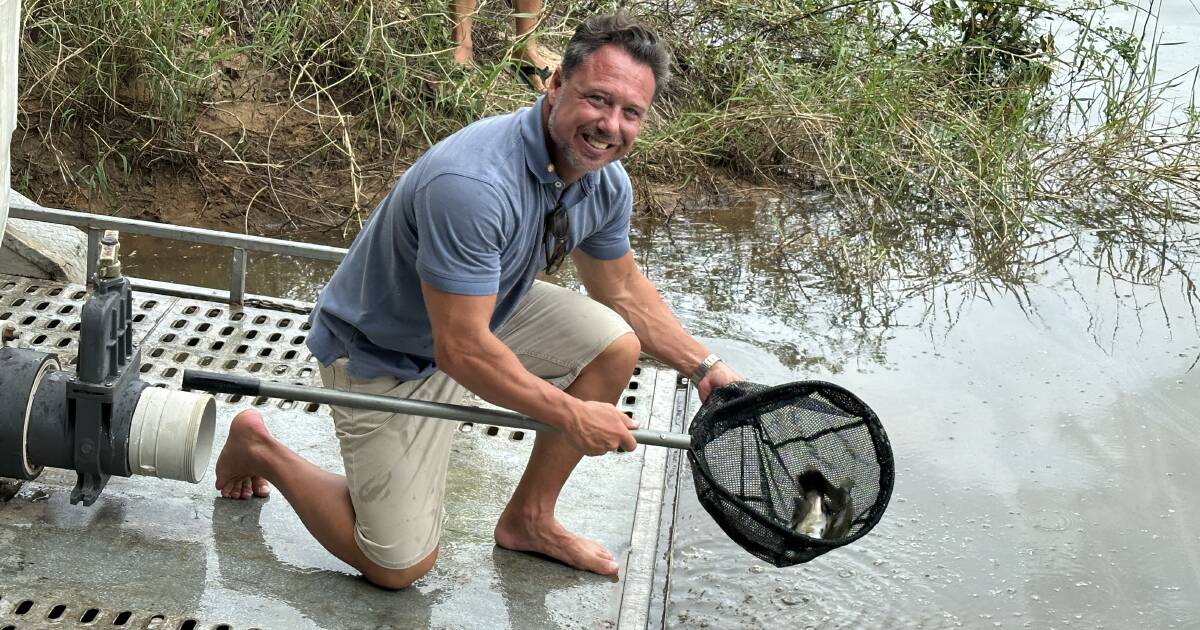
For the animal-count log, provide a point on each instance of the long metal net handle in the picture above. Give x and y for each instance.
(217, 383)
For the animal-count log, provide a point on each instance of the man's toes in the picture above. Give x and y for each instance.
(608, 567)
(232, 489)
(604, 556)
(601, 560)
(245, 487)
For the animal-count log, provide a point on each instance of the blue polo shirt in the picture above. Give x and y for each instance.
(467, 218)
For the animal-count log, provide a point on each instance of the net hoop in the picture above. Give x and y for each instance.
(749, 400)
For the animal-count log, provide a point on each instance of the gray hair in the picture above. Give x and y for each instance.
(631, 35)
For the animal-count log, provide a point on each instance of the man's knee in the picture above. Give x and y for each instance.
(624, 352)
(397, 579)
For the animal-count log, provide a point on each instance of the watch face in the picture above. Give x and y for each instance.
(704, 367)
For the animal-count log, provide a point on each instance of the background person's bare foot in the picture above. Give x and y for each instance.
(239, 464)
(463, 54)
(549, 538)
(534, 66)
(533, 55)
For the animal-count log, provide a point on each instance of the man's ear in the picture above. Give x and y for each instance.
(554, 84)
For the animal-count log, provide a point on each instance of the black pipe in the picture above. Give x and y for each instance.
(50, 438)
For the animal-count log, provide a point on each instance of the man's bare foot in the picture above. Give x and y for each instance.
(549, 538)
(239, 462)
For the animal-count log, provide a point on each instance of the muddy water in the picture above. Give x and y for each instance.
(209, 267)
(1046, 433)
(1045, 439)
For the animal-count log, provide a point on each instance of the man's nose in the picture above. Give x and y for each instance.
(611, 122)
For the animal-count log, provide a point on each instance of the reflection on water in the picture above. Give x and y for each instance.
(209, 266)
(803, 280)
(729, 272)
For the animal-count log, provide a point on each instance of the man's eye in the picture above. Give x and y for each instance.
(632, 114)
(597, 99)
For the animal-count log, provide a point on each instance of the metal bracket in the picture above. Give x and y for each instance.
(106, 352)
(90, 413)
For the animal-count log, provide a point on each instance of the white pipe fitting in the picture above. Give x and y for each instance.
(171, 435)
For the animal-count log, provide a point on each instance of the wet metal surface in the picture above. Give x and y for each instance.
(152, 547)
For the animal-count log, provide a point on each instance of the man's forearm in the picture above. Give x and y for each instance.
(489, 369)
(619, 284)
(657, 328)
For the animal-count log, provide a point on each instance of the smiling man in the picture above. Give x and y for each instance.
(438, 296)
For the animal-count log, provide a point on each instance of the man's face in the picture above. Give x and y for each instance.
(596, 114)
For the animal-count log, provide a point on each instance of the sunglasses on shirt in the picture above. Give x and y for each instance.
(556, 226)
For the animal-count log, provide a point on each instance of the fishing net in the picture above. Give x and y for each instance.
(751, 443)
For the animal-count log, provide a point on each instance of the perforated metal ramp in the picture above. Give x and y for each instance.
(166, 554)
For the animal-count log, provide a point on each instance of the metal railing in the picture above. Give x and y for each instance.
(94, 225)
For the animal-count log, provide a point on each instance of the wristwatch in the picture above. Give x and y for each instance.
(701, 370)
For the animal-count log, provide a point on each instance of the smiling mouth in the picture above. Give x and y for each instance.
(596, 144)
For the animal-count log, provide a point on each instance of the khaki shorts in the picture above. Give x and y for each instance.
(396, 464)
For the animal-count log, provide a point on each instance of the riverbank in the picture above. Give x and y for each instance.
(293, 119)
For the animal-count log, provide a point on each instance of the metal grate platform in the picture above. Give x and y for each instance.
(177, 333)
(46, 614)
(173, 333)
(162, 554)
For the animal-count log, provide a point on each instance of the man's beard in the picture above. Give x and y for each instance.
(567, 150)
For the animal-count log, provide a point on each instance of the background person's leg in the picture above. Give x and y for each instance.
(461, 32)
(530, 54)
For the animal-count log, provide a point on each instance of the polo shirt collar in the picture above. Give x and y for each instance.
(537, 158)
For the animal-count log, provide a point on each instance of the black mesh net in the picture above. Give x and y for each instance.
(750, 445)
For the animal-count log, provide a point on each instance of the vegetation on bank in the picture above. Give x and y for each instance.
(930, 120)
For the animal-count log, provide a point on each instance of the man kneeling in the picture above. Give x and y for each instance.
(438, 296)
